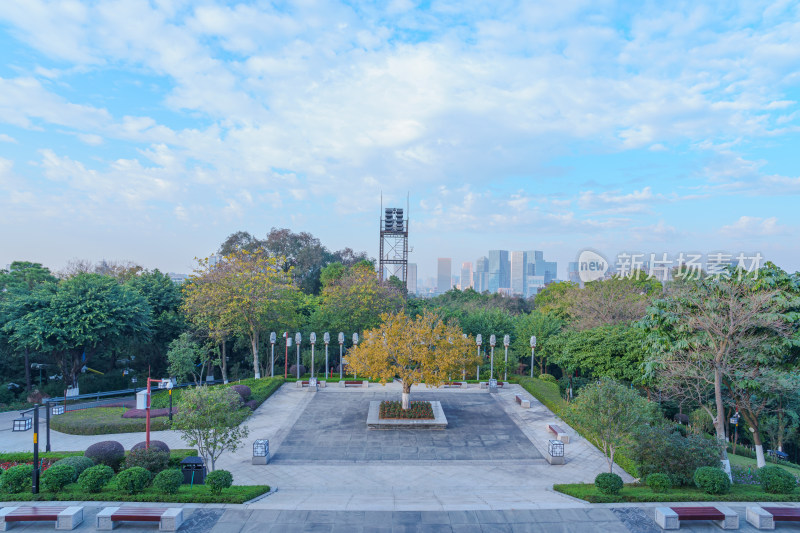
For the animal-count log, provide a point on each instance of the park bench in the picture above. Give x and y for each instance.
(671, 517)
(65, 517)
(168, 518)
(559, 432)
(777, 454)
(500, 384)
(364, 384)
(301, 384)
(522, 401)
(765, 517)
(450, 384)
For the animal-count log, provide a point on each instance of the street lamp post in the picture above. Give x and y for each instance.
(355, 343)
(492, 342)
(506, 341)
(533, 348)
(341, 346)
(297, 340)
(327, 339)
(286, 357)
(313, 339)
(272, 339)
(479, 341)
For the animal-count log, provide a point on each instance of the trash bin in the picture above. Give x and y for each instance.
(194, 471)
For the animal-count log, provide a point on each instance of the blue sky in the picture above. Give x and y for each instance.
(149, 130)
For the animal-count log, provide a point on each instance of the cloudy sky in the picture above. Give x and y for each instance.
(149, 130)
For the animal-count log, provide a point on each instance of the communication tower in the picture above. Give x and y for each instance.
(394, 244)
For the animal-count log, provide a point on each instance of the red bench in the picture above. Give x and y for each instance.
(559, 433)
(169, 519)
(765, 517)
(783, 514)
(670, 517)
(453, 384)
(522, 402)
(64, 517)
(364, 384)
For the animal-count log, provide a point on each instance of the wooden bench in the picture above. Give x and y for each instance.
(168, 518)
(671, 517)
(765, 517)
(64, 517)
(559, 432)
(450, 384)
(500, 384)
(364, 384)
(523, 402)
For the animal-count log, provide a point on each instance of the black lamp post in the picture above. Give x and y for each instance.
(24, 424)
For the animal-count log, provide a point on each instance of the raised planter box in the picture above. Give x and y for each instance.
(375, 422)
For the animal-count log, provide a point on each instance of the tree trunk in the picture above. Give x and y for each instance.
(224, 363)
(28, 372)
(406, 396)
(719, 422)
(752, 421)
(254, 343)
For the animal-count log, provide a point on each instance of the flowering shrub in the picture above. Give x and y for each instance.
(745, 476)
(417, 410)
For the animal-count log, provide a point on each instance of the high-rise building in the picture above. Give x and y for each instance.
(444, 281)
(548, 269)
(519, 272)
(480, 276)
(412, 278)
(466, 275)
(573, 275)
(499, 270)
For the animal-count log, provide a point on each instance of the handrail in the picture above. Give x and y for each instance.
(121, 392)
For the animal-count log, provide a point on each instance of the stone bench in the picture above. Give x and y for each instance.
(301, 384)
(500, 384)
(63, 516)
(765, 517)
(671, 517)
(364, 384)
(522, 401)
(559, 432)
(168, 518)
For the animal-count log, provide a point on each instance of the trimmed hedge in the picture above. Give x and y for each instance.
(776, 480)
(17, 479)
(219, 480)
(152, 460)
(107, 452)
(640, 493)
(608, 483)
(134, 479)
(260, 390)
(186, 494)
(57, 477)
(659, 482)
(93, 479)
(168, 481)
(712, 480)
(79, 464)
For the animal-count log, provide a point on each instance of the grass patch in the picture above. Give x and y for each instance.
(260, 389)
(186, 494)
(746, 462)
(102, 421)
(640, 493)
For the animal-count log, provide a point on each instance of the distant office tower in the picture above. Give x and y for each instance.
(499, 270)
(519, 272)
(412, 278)
(548, 269)
(481, 274)
(534, 285)
(466, 275)
(444, 281)
(573, 275)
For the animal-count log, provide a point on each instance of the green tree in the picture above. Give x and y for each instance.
(613, 352)
(610, 412)
(212, 419)
(187, 358)
(544, 326)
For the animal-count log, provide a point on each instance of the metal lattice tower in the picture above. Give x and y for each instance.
(394, 245)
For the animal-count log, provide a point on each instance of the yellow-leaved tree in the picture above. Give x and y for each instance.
(243, 293)
(416, 350)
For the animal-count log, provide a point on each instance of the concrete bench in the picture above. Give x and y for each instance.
(168, 518)
(523, 402)
(765, 517)
(452, 384)
(559, 432)
(63, 516)
(500, 384)
(301, 384)
(671, 517)
(364, 384)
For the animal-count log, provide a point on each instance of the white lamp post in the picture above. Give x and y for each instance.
(479, 341)
(327, 339)
(355, 343)
(533, 347)
(298, 339)
(506, 341)
(272, 338)
(341, 346)
(313, 339)
(492, 342)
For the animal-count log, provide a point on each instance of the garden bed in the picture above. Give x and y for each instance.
(640, 493)
(186, 494)
(393, 410)
(102, 421)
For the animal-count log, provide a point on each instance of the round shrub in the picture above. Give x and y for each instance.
(154, 445)
(659, 482)
(134, 479)
(107, 452)
(243, 391)
(95, 478)
(152, 460)
(252, 404)
(79, 463)
(18, 479)
(712, 480)
(168, 481)
(608, 483)
(776, 480)
(218, 480)
(550, 378)
(57, 477)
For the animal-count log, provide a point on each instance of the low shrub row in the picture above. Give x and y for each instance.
(260, 390)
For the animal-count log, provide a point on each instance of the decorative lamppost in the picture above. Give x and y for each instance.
(341, 346)
(533, 348)
(272, 339)
(506, 341)
(297, 340)
(479, 341)
(286, 357)
(492, 342)
(355, 343)
(327, 339)
(313, 339)
(25, 423)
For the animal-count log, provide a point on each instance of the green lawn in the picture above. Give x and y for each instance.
(746, 462)
(641, 493)
(102, 421)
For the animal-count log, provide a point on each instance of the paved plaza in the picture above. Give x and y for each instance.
(486, 472)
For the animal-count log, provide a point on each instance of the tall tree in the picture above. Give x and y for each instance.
(544, 326)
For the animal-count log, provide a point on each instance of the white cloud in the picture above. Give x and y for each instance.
(754, 227)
